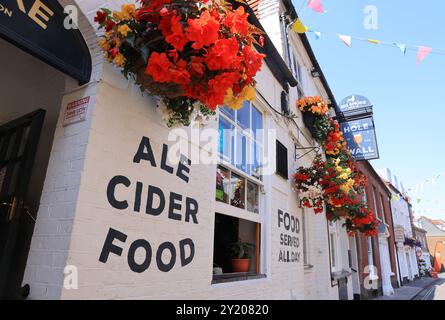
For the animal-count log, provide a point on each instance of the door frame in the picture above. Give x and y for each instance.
(19, 230)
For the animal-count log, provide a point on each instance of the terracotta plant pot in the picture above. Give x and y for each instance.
(240, 265)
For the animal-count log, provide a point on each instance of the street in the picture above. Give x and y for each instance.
(434, 292)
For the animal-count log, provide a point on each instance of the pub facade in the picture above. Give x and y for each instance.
(101, 200)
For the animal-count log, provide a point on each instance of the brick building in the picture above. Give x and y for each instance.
(378, 251)
(435, 236)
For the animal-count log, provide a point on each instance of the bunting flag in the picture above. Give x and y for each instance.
(423, 53)
(346, 39)
(431, 181)
(373, 41)
(402, 47)
(299, 27)
(316, 5)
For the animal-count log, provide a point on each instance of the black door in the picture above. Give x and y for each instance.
(18, 145)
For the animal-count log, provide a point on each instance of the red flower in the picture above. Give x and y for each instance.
(114, 52)
(224, 55)
(158, 67)
(196, 67)
(101, 17)
(203, 31)
(109, 26)
(173, 32)
(179, 73)
(301, 177)
(237, 21)
(252, 60)
(217, 89)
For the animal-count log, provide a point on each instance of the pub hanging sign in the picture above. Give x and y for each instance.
(361, 138)
(40, 27)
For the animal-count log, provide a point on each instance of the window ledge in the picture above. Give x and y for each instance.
(233, 277)
(308, 267)
(340, 274)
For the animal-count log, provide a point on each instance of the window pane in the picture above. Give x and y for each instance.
(237, 191)
(242, 148)
(222, 184)
(333, 251)
(253, 197)
(228, 112)
(225, 147)
(243, 116)
(257, 124)
(257, 162)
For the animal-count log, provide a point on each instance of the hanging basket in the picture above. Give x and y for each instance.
(167, 90)
(309, 121)
(340, 212)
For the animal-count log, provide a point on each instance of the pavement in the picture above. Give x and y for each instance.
(420, 289)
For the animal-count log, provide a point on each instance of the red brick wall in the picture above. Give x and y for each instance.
(374, 181)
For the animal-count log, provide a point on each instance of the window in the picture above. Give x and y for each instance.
(241, 139)
(238, 185)
(383, 208)
(376, 208)
(333, 244)
(282, 164)
(230, 234)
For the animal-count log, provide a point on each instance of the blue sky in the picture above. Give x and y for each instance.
(407, 98)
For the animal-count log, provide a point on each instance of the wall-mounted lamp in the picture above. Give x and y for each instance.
(315, 73)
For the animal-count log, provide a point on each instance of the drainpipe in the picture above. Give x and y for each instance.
(394, 242)
(284, 24)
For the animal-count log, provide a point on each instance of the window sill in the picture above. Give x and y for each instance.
(308, 267)
(234, 277)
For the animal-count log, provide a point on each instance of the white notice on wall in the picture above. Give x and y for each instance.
(76, 111)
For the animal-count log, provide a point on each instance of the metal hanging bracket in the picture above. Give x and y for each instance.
(316, 149)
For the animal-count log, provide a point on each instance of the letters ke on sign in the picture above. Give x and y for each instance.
(76, 111)
(38, 27)
(354, 104)
(361, 139)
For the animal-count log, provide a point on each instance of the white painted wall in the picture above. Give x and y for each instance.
(75, 215)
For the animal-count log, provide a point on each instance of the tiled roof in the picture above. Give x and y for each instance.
(254, 4)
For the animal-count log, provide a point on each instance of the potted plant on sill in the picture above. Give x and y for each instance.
(239, 251)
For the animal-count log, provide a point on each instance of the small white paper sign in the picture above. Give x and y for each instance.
(76, 111)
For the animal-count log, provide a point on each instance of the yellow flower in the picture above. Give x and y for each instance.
(232, 102)
(128, 11)
(117, 15)
(119, 60)
(104, 45)
(247, 94)
(124, 30)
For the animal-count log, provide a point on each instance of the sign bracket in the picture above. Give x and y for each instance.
(316, 149)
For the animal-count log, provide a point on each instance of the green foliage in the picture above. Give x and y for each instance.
(240, 249)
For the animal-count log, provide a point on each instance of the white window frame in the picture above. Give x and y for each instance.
(232, 211)
(334, 242)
